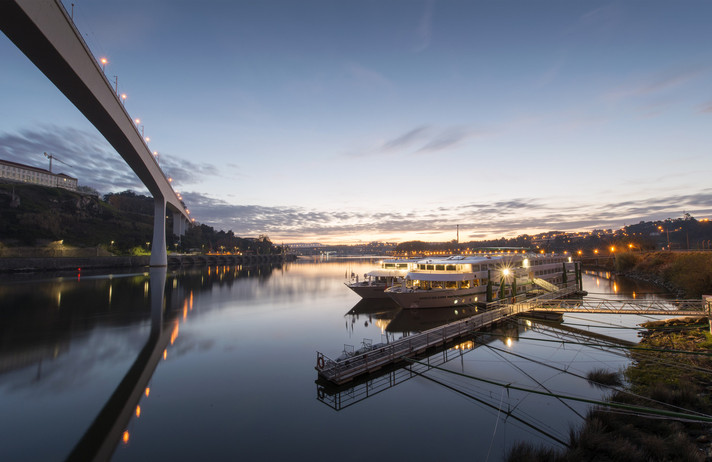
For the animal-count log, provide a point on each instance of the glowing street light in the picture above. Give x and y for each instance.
(138, 121)
(103, 62)
(123, 97)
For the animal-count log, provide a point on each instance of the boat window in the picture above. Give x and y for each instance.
(451, 285)
(450, 268)
(430, 267)
(389, 265)
(465, 284)
(402, 265)
(440, 267)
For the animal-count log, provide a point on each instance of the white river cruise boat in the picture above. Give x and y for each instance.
(390, 272)
(475, 280)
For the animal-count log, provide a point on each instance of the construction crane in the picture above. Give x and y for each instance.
(50, 157)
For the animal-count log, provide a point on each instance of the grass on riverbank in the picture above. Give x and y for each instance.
(662, 380)
(689, 272)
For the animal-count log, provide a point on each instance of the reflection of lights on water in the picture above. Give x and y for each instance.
(138, 411)
(125, 437)
(469, 345)
(165, 353)
(175, 283)
(59, 299)
(191, 300)
(145, 289)
(185, 310)
(110, 292)
(382, 323)
(634, 295)
(148, 391)
(615, 287)
(598, 282)
(509, 342)
(174, 335)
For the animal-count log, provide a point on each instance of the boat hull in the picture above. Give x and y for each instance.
(365, 290)
(439, 298)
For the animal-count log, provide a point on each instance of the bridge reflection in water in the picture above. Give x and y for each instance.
(109, 427)
(169, 306)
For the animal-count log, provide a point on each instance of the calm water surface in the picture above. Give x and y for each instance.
(220, 366)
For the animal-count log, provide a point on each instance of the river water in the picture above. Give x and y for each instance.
(220, 366)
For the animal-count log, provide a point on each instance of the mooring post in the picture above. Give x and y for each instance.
(707, 300)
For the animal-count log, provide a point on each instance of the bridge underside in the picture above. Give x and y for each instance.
(45, 33)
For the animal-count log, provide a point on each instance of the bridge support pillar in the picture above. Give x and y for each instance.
(159, 257)
(179, 224)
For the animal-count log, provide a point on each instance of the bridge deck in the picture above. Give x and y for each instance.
(340, 372)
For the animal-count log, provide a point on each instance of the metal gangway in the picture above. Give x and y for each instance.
(641, 306)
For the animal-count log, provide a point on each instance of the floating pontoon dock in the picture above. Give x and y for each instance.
(343, 371)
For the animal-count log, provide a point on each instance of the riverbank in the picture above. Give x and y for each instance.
(663, 380)
(685, 274)
(36, 264)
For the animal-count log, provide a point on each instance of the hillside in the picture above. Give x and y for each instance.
(46, 218)
(688, 273)
(32, 215)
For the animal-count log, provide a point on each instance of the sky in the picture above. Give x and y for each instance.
(358, 121)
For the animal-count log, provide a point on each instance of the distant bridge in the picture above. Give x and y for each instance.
(46, 34)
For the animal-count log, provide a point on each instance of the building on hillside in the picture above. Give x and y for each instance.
(26, 174)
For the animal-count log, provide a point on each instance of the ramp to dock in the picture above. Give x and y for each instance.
(546, 285)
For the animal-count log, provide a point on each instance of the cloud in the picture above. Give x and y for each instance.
(89, 158)
(656, 83)
(446, 139)
(423, 139)
(95, 163)
(406, 139)
(425, 28)
(366, 77)
(479, 220)
(706, 108)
